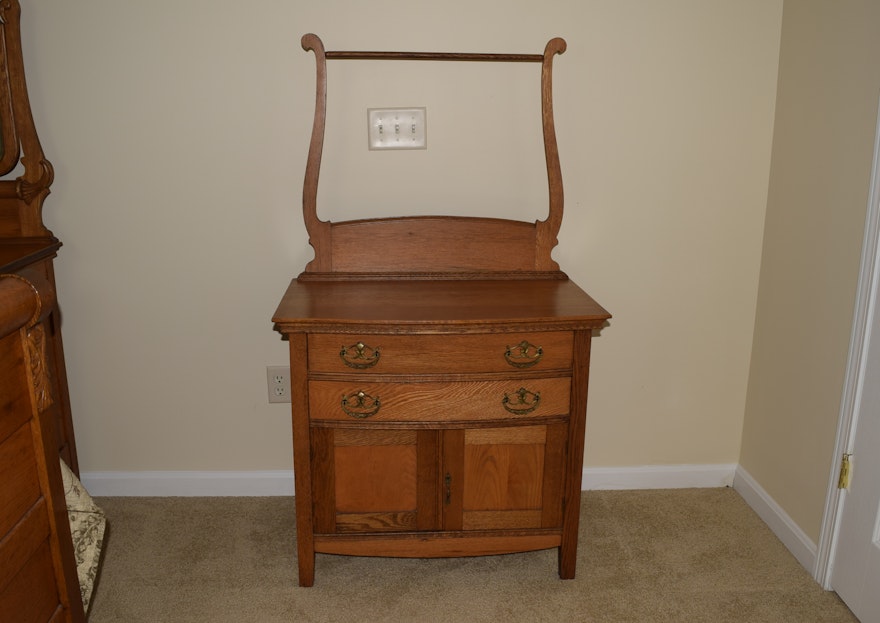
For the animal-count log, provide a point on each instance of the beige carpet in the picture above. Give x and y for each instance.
(645, 556)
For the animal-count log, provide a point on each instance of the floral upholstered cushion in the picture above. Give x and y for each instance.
(87, 524)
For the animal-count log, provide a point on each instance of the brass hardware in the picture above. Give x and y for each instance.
(360, 405)
(359, 356)
(525, 402)
(843, 481)
(448, 482)
(523, 355)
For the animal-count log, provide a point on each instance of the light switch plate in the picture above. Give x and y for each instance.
(397, 128)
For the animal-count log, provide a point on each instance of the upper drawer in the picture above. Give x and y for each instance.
(437, 354)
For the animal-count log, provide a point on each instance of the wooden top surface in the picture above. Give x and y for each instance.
(436, 306)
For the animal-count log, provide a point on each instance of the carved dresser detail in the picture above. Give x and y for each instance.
(438, 399)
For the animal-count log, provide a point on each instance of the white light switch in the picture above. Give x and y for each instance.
(397, 128)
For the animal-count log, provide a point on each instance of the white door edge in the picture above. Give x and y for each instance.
(865, 304)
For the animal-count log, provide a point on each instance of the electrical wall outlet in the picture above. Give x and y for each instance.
(278, 380)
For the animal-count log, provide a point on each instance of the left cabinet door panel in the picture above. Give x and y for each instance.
(376, 480)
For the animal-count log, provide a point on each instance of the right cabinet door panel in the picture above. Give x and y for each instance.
(505, 478)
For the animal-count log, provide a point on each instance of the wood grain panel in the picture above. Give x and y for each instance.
(380, 437)
(507, 435)
(302, 448)
(437, 545)
(436, 244)
(503, 476)
(14, 399)
(31, 595)
(501, 520)
(376, 522)
(324, 476)
(555, 450)
(23, 540)
(574, 458)
(375, 478)
(20, 488)
(429, 448)
(453, 474)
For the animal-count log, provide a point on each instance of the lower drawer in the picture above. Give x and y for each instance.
(438, 401)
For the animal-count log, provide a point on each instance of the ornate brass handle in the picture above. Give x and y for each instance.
(360, 405)
(359, 356)
(522, 402)
(523, 355)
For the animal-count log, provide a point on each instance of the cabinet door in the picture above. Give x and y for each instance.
(375, 479)
(504, 478)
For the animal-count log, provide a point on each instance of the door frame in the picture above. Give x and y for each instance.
(866, 305)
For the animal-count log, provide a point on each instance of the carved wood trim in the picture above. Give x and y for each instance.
(9, 155)
(21, 201)
(319, 231)
(36, 340)
(548, 229)
(41, 382)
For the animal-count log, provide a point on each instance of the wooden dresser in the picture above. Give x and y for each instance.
(38, 573)
(439, 371)
(27, 247)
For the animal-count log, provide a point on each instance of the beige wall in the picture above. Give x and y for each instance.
(179, 131)
(825, 118)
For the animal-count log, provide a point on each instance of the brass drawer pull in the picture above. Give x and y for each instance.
(523, 355)
(360, 405)
(522, 402)
(359, 356)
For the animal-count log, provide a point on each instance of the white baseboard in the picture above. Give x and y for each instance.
(782, 525)
(280, 482)
(658, 477)
(182, 484)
